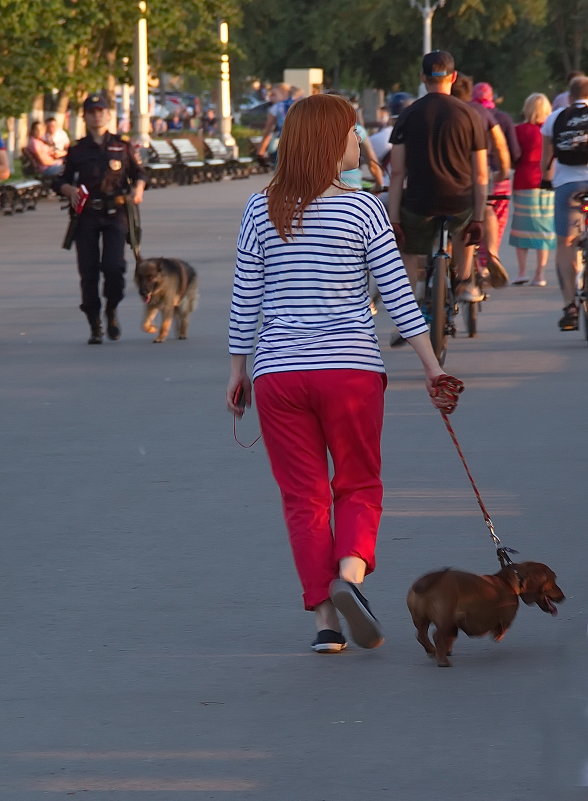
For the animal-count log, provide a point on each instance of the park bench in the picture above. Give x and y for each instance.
(162, 164)
(236, 167)
(18, 196)
(194, 167)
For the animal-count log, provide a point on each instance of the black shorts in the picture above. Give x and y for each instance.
(420, 231)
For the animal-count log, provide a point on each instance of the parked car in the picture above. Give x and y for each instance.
(255, 117)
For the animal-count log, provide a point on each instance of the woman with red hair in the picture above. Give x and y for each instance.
(304, 251)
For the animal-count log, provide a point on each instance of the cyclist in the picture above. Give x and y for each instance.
(565, 138)
(281, 99)
(439, 146)
(499, 163)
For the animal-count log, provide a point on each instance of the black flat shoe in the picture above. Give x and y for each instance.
(329, 642)
(364, 627)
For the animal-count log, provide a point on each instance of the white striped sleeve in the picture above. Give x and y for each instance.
(248, 285)
(386, 265)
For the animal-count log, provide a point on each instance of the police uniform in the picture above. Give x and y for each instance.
(108, 170)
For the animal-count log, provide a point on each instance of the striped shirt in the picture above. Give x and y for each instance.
(313, 289)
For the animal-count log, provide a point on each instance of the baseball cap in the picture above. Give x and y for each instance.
(95, 101)
(399, 101)
(438, 64)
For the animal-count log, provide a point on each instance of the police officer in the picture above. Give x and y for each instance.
(105, 163)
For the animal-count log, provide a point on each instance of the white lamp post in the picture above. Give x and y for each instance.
(225, 87)
(141, 110)
(427, 10)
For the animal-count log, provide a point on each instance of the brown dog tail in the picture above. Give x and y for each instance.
(425, 583)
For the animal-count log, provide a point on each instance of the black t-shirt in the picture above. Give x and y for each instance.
(440, 134)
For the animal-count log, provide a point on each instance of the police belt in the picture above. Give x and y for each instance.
(107, 204)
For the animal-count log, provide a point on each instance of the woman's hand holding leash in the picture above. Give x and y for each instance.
(239, 386)
(445, 391)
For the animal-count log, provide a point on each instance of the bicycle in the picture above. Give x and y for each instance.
(439, 305)
(582, 290)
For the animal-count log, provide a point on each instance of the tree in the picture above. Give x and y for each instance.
(77, 45)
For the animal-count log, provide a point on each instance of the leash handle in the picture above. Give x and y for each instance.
(237, 440)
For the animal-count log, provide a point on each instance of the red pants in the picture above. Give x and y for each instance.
(303, 415)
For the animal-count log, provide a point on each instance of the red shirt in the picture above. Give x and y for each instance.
(527, 174)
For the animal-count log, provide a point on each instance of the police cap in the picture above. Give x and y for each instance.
(95, 101)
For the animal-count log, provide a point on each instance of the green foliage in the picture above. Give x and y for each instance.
(75, 45)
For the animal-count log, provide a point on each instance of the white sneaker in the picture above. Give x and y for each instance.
(471, 293)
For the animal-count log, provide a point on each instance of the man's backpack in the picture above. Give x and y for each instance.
(570, 136)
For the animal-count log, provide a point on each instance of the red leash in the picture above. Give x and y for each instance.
(501, 551)
(446, 390)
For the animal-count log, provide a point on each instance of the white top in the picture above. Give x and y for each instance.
(313, 289)
(561, 101)
(380, 141)
(59, 139)
(565, 173)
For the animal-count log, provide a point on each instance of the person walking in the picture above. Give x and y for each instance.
(497, 210)
(532, 220)
(303, 252)
(499, 162)
(106, 165)
(565, 139)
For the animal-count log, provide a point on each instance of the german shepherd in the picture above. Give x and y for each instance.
(168, 286)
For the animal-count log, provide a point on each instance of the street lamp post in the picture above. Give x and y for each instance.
(125, 96)
(225, 88)
(427, 11)
(141, 110)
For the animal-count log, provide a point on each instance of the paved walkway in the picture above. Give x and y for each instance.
(154, 645)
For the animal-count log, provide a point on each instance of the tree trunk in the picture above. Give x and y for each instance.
(111, 89)
(37, 109)
(61, 110)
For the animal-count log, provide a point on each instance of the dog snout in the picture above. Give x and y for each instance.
(555, 593)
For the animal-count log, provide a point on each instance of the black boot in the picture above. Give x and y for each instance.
(112, 324)
(96, 333)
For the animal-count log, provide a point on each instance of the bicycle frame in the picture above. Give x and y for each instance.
(439, 306)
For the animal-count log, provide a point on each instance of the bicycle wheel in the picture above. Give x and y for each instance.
(470, 313)
(438, 332)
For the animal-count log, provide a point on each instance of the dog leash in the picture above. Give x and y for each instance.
(502, 552)
(237, 438)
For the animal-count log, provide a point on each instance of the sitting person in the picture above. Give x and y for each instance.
(56, 138)
(4, 164)
(174, 123)
(41, 153)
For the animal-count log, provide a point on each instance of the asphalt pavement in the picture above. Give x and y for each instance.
(153, 642)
